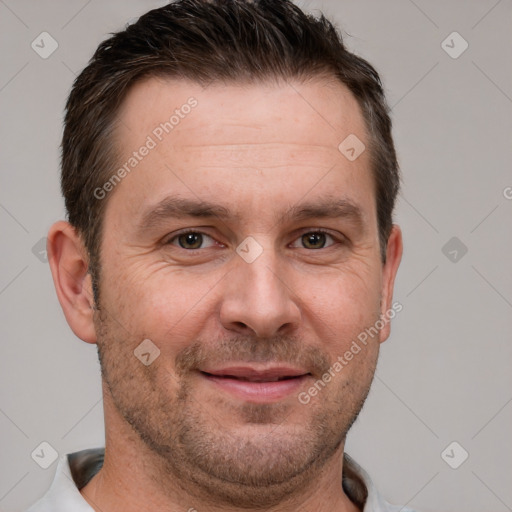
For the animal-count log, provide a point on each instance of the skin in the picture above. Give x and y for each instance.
(174, 439)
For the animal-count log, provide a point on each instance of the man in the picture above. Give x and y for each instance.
(229, 176)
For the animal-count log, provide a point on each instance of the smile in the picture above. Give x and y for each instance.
(257, 385)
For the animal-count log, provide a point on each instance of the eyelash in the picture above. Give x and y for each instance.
(317, 230)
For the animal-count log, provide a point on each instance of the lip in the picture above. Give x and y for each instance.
(257, 384)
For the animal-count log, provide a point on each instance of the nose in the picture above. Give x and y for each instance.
(259, 297)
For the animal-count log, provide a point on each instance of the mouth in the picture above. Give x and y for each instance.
(257, 385)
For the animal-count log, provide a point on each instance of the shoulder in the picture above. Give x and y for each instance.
(73, 471)
(358, 479)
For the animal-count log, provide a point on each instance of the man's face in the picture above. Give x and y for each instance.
(229, 323)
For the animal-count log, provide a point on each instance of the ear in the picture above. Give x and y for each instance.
(69, 265)
(393, 257)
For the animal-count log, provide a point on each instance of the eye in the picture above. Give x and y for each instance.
(191, 240)
(314, 240)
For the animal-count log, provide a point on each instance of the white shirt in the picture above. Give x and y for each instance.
(64, 495)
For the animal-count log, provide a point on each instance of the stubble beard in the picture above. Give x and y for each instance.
(259, 462)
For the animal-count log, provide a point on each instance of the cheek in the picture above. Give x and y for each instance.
(345, 300)
(161, 304)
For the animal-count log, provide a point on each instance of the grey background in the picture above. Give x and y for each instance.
(445, 373)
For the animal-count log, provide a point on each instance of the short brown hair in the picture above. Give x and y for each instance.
(206, 41)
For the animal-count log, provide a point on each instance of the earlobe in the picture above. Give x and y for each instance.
(393, 257)
(69, 265)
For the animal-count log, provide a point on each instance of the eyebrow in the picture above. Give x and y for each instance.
(327, 208)
(179, 208)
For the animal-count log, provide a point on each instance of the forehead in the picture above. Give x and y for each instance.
(323, 111)
(239, 142)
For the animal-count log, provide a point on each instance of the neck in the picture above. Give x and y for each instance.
(133, 478)
(128, 488)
